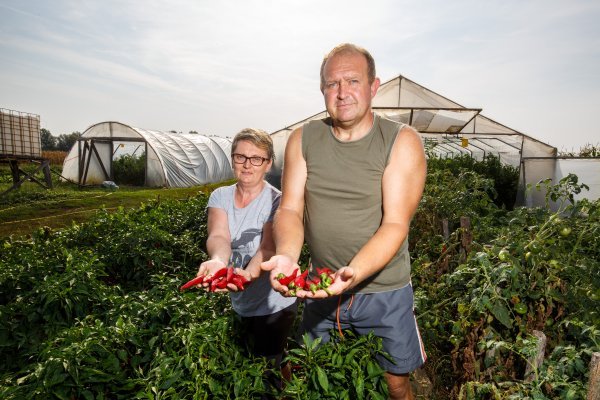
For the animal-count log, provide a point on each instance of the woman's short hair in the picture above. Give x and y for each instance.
(257, 137)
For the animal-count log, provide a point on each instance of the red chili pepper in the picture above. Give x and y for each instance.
(239, 281)
(300, 281)
(285, 280)
(326, 276)
(245, 282)
(221, 284)
(229, 274)
(220, 273)
(194, 282)
(324, 272)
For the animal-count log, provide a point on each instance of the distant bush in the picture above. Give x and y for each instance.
(130, 169)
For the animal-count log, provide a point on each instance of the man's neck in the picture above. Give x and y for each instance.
(353, 132)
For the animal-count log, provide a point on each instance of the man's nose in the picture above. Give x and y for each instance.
(342, 90)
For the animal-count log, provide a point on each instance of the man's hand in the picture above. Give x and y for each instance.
(279, 264)
(342, 281)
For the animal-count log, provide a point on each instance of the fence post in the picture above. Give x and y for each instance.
(594, 382)
(466, 237)
(535, 362)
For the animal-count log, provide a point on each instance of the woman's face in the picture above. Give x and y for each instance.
(247, 173)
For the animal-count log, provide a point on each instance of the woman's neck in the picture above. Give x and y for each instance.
(245, 194)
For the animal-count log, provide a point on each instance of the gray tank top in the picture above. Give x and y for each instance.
(343, 199)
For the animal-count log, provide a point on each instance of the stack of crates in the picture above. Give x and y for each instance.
(19, 135)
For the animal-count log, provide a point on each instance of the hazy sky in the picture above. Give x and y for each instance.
(219, 66)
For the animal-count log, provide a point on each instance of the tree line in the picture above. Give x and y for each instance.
(62, 142)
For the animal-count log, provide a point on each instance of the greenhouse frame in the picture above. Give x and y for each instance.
(449, 129)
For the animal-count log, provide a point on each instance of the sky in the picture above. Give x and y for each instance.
(217, 67)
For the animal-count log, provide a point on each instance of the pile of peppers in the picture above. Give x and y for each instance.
(294, 281)
(219, 280)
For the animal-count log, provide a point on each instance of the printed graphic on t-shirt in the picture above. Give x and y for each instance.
(243, 246)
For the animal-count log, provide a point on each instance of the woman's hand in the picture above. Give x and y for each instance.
(232, 287)
(208, 269)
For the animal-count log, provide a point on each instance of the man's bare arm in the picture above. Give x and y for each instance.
(289, 219)
(288, 226)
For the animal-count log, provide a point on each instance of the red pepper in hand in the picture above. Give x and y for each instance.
(194, 282)
(285, 280)
(219, 280)
(220, 273)
(300, 281)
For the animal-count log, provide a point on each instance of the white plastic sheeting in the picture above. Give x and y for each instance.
(448, 129)
(535, 170)
(172, 159)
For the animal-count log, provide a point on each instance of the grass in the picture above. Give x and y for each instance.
(24, 210)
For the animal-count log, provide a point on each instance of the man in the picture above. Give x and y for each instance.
(351, 184)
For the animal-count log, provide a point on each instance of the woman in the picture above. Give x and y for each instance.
(240, 219)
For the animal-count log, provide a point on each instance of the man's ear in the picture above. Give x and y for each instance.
(375, 87)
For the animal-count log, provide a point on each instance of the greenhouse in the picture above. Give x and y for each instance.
(450, 129)
(172, 159)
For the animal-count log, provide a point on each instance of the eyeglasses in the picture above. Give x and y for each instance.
(254, 160)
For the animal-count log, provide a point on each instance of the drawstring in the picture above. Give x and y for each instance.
(337, 312)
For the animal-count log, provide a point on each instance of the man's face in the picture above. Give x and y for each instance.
(346, 88)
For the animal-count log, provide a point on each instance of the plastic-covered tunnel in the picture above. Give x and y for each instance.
(172, 159)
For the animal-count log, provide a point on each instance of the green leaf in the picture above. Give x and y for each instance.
(322, 377)
(359, 386)
(375, 395)
(501, 313)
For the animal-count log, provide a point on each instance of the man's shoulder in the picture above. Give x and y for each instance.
(393, 127)
(390, 124)
(321, 123)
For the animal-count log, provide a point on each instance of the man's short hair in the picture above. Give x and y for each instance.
(346, 48)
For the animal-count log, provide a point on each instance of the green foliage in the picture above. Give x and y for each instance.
(130, 169)
(48, 141)
(526, 270)
(504, 178)
(588, 150)
(93, 311)
(325, 370)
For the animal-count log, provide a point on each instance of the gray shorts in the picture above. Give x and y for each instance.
(389, 315)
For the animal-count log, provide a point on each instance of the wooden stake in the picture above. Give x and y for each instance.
(594, 382)
(534, 363)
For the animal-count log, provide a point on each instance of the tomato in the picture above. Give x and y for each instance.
(521, 308)
(504, 255)
(566, 231)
